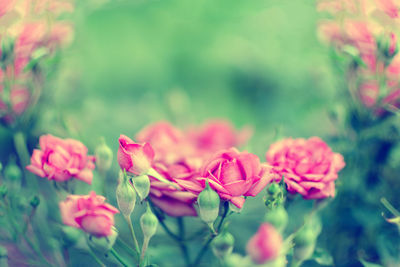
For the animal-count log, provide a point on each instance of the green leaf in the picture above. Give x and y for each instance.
(369, 264)
(322, 257)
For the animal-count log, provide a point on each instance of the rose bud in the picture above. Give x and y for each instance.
(208, 201)
(134, 158)
(141, 184)
(102, 244)
(148, 223)
(265, 245)
(126, 195)
(13, 174)
(222, 245)
(70, 235)
(277, 217)
(104, 156)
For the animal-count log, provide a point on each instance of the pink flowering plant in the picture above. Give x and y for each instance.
(137, 181)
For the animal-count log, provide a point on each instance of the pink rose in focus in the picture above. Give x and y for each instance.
(265, 245)
(309, 166)
(89, 213)
(235, 174)
(134, 158)
(61, 159)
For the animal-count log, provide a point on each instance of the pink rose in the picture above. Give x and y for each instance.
(265, 245)
(169, 143)
(309, 166)
(173, 201)
(389, 7)
(217, 134)
(134, 158)
(88, 213)
(61, 159)
(235, 174)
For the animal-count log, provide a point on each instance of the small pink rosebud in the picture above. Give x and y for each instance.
(265, 245)
(134, 158)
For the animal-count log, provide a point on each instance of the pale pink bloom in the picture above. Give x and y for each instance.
(217, 134)
(62, 159)
(265, 245)
(89, 213)
(389, 7)
(6, 6)
(309, 166)
(235, 174)
(133, 157)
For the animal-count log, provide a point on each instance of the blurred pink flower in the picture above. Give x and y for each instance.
(265, 245)
(217, 134)
(6, 6)
(235, 174)
(62, 159)
(389, 7)
(134, 158)
(309, 166)
(89, 213)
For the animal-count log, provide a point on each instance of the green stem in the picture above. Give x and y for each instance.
(144, 248)
(91, 253)
(36, 249)
(182, 245)
(389, 206)
(118, 257)
(126, 246)
(211, 237)
(129, 221)
(24, 159)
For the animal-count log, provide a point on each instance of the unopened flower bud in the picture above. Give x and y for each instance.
(275, 196)
(274, 188)
(265, 245)
(278, 217)
(35, 201)
(126, 195)
(104, 156)
(12, 172)
(208, 201)
(141, 184)
(222, 245)
(102, 244)
(148, 223)
(3, 252)
(70, 235)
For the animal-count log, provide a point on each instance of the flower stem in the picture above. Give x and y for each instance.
(96, 258)
(24, 157)
(118, 257)
(389, 206)
(129, 221)
(144, 248)
(182, 245)
(211, 236)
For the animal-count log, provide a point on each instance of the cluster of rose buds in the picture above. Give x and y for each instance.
(29, 32)
(367, 31)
